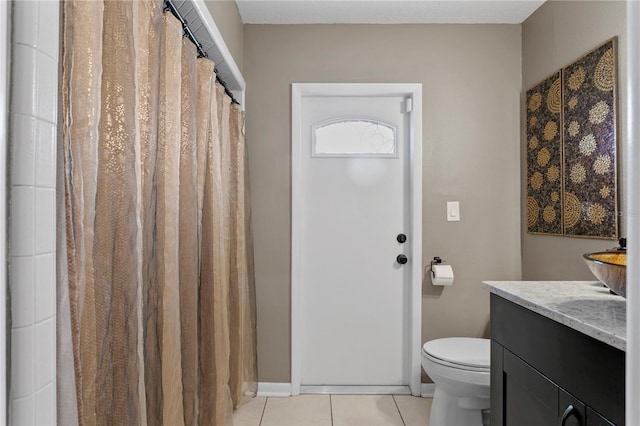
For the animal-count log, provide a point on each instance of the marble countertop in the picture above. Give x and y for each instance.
(585, 306)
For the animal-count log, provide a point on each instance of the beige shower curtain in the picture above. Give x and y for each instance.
(156, 302)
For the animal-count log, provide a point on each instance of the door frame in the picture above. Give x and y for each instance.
(407, 90)
(5, 68)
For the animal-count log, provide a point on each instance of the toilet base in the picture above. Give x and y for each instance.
(446, 410)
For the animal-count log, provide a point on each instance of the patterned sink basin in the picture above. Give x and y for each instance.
(610, 267)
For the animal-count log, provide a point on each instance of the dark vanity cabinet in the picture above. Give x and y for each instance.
(545, 373)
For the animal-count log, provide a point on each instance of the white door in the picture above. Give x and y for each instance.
(354, 203)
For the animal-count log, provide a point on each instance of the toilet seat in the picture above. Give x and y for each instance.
(464, 353)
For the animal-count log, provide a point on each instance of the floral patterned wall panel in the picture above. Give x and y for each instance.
(544, 157)
(589, 156)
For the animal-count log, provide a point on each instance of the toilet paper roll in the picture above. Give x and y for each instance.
(441, 275)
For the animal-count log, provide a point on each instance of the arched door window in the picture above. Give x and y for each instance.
(349, 137)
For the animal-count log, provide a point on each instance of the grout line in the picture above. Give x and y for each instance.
(264, 408)
(37, 49)
(331, 409)
(398, 408)
(35, 117)
(26, 185)
(42, 321)
(50, 382)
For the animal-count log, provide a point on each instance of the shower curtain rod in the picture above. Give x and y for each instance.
(169, 6)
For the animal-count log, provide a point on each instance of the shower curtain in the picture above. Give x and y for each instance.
(156, 302)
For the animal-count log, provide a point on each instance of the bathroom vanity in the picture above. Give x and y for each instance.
(557, 353)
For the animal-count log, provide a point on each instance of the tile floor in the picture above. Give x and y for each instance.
(335, 410)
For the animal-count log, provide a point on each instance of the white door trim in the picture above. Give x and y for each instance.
(409, 90)
(5, 37)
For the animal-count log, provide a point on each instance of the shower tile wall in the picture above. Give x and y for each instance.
(32, 207)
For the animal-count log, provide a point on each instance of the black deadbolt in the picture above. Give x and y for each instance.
(402, 259)
(401, 238)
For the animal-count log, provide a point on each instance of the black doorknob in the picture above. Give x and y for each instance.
(402, 259)
(401, 238)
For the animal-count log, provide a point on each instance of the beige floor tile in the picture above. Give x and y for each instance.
(364, 410)
(301, 410)
(250, 413)
(414, 410)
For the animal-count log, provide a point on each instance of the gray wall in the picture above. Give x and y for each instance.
(227, 18)
(471, 76)
(558, 33)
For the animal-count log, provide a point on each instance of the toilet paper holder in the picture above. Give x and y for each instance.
(444, 275)
(436, 261)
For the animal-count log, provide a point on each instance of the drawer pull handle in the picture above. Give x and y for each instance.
(566, 414)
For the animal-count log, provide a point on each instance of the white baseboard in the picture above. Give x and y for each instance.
(427, 390)
(356, 390)
(283, 390)
(279, 390)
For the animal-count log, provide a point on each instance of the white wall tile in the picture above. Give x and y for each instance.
(45, 220)
(34, 98)
(47, 88)
(23, 141)
(25, 22)
(22, 412)
(48, 27)
(44, 354)
(21, 362)
(22, 291)
(45, 406)
(23, 75)
(21, 211)
(44, 287)
(45, 155)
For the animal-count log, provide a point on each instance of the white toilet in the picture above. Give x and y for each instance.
(459, 368)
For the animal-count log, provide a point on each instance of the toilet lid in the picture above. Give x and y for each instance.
(464, 351)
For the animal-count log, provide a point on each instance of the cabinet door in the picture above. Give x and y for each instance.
(530, 399)
(595, 419)
(571, 412)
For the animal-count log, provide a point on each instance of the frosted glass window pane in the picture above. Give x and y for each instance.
(355, 137)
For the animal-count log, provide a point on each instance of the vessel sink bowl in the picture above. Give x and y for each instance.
(610, 267)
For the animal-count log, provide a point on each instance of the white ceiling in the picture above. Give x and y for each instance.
(386, 11)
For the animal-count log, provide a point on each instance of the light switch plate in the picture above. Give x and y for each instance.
(453, 211)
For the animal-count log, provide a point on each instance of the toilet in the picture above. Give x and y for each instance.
(459, 368)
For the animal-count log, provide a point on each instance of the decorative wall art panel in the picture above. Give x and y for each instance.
(589, 153)
(544, 157)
